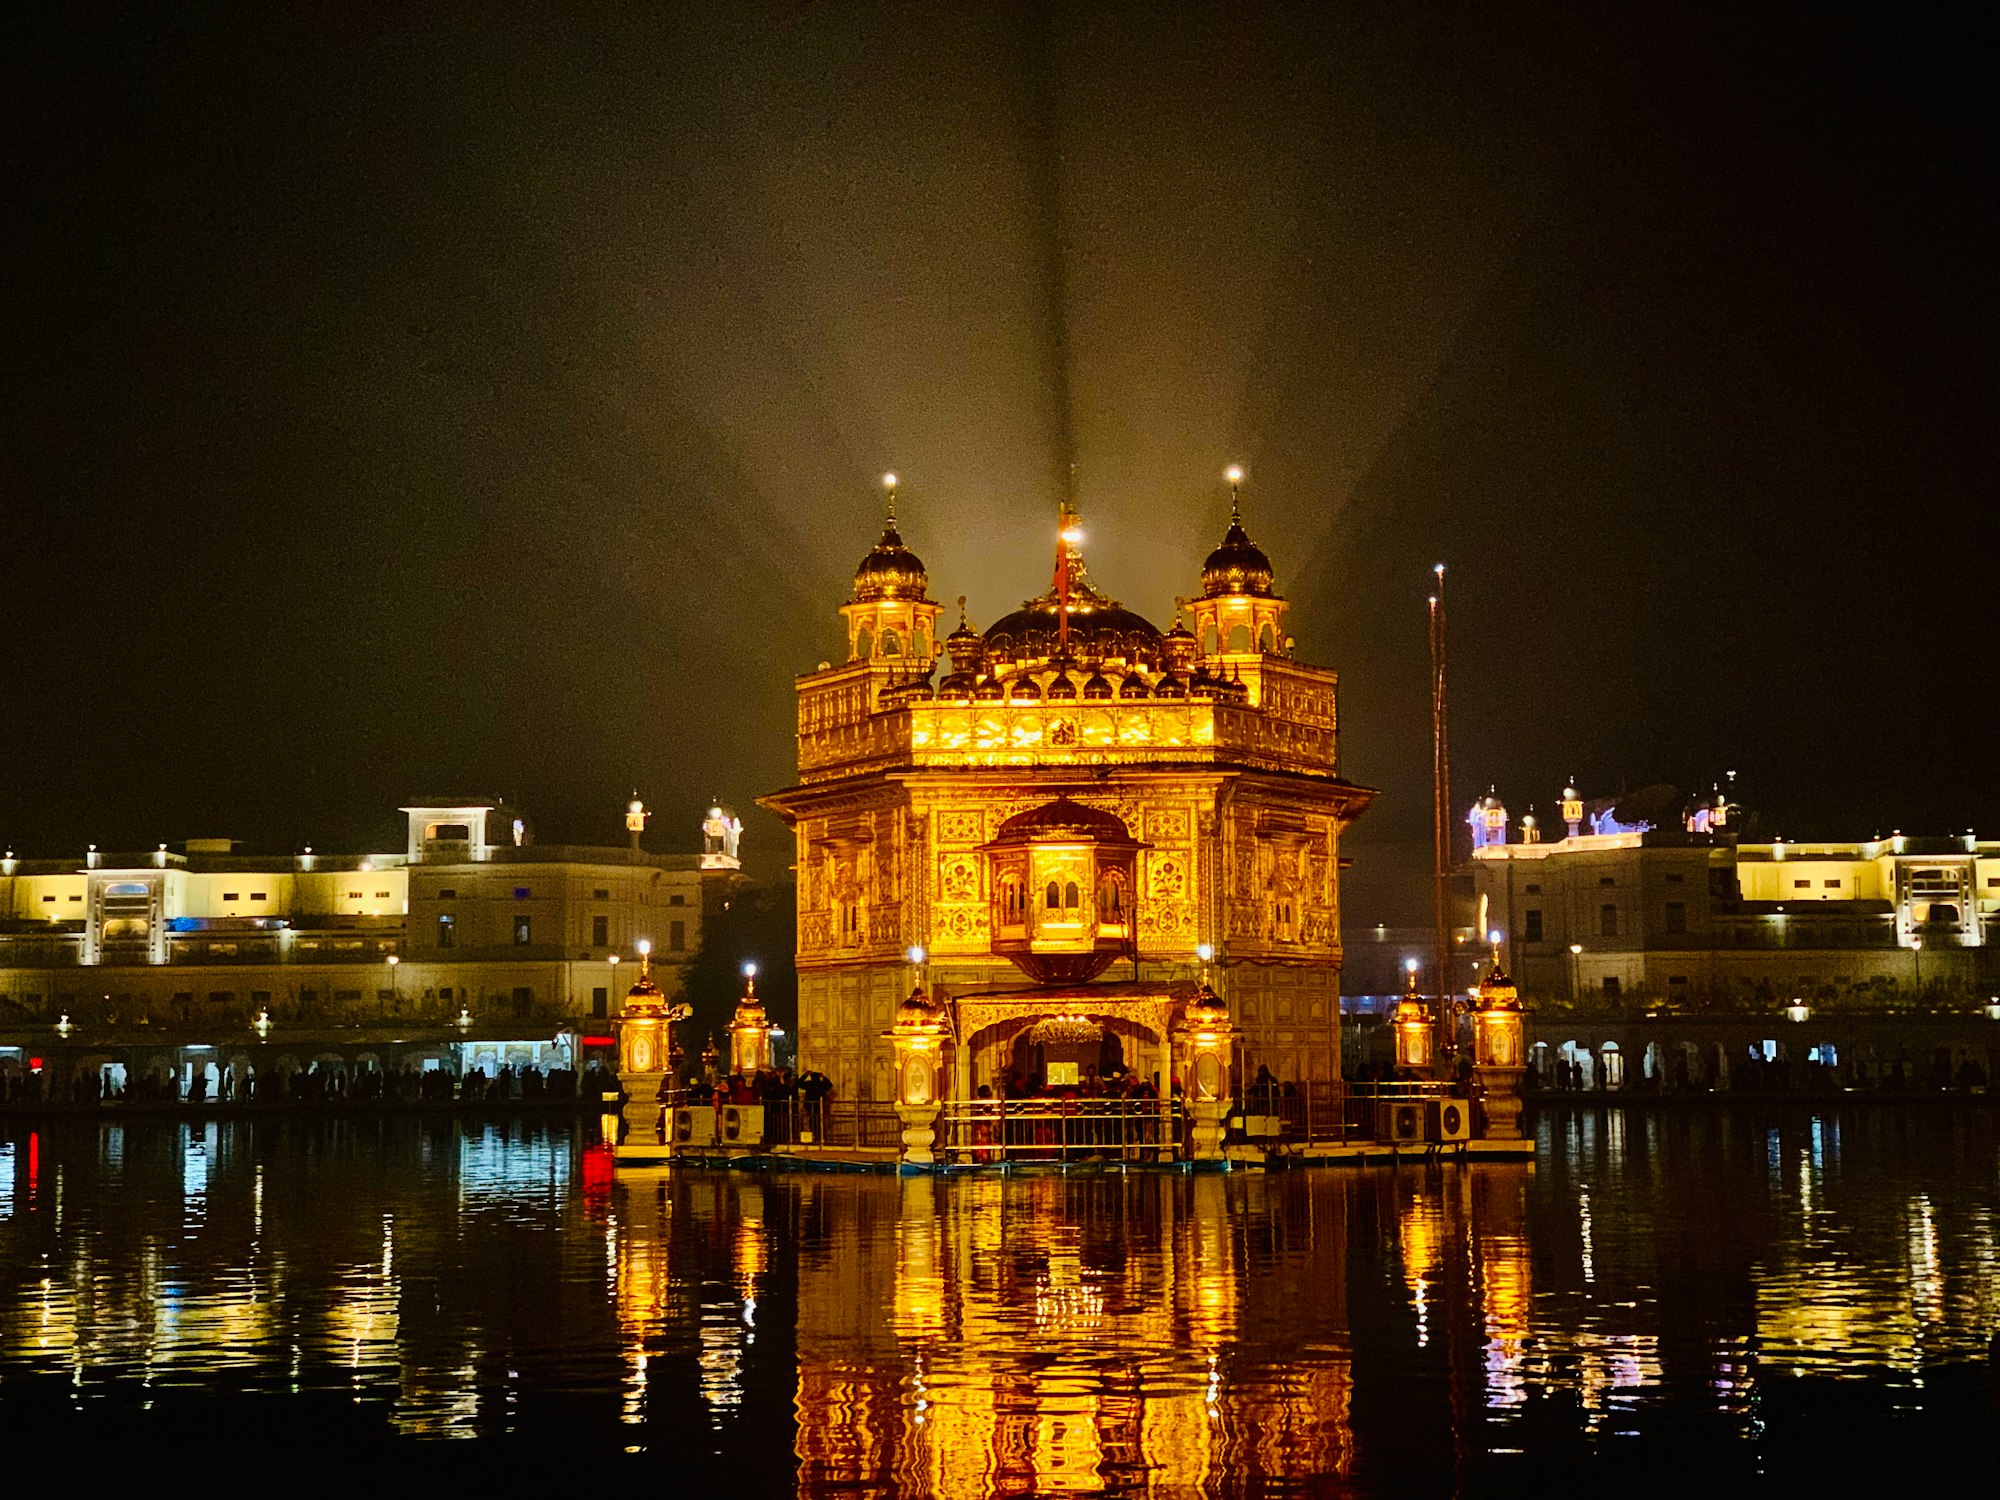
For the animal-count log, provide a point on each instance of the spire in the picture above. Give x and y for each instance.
(889, 485)
(1234, 474)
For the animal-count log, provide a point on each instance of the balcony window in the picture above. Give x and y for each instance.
(447, 931)
(1607, 921)
(523, 931)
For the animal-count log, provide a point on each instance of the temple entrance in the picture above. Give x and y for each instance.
(1065, 1052)
(1064, 1074)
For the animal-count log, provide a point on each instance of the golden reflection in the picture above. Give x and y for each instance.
(1052, 1336)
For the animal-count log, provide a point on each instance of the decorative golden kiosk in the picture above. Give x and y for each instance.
(1144, 825)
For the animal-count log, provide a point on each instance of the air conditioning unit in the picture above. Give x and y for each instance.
(694, 1126)
(1448, 1119)
(1400, 1122)
(742, 1125)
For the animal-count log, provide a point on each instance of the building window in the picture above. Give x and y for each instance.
(354, 895)
(1607, 921)
(308, 1002)
(677, 899)
(1072, 897)
(1052, 897)
(347, 997)
(600, 932)
(49, 900)
(447, 894)
(1610, 986)
(521, 893)
(444, 993)
(1831, 885)
(259, 896)
(382, 895)
(232, 895)
(600, 1003)
(523, 930)
(1531, 931)
(1677, 916)
(524, 1000)
(447, 931)
(1607, 880)
(1801, 885)
(600, 895)
(1534, 889)
(677, 937)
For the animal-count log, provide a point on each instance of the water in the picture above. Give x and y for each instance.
(1715, 1294)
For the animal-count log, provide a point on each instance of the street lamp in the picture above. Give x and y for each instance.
(395, 993)
(1798, 1010)
(1993, 1009)
(1917, 958)
(1575, 972)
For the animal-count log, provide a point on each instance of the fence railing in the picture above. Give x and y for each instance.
(999, 1130)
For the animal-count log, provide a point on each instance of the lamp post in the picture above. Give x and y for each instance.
(1412, 1024)
(1575, 972)
(395, 990)
(1498, 1053)
(1917, 958)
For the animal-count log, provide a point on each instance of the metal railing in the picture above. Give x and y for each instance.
(1060, 1130)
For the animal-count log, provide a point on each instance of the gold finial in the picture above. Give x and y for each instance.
(963, 623)
(889, 483)
(645, 958)
(1180, 607)
(1234, 474)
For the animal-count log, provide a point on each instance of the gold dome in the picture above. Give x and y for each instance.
(1238, 566)
(891, 570)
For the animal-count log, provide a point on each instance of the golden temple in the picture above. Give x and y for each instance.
(1117, 813)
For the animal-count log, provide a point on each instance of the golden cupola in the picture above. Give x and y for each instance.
(891, 620)
(1238, 614)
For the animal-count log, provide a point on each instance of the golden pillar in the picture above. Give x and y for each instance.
(642, 1053)
(918, 1037)
(1206, 1040)
(1498, 1054)
(1412, 1023)
(750, 1033)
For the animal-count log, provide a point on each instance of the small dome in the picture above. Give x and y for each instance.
(1097, 685)
(918, 1008)
(1496, 991)
(891, 570)
(1024, 686)
(1135, 686)
(1170, 686)
(1062, 686)
(1063, 819)
(1238, 566)
(1206, 1012)
(991, 689)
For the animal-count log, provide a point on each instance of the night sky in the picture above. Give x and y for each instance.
(407, 400)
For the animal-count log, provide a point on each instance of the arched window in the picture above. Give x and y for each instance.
(1239, 638)
(1052, 897)
(1072, 897)
(1267, 639)
(892, 644)
(1208, 640)
(1010, 900)
(864, 643)
(1110, 900)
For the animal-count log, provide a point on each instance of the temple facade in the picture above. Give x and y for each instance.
(1062, 826)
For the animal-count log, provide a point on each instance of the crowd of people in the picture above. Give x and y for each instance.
(316, 1083)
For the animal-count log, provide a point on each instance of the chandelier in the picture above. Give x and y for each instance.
(1065, 1031)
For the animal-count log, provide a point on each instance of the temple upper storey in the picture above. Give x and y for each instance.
(1072, 677)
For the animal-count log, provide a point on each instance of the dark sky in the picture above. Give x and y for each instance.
(412, 398)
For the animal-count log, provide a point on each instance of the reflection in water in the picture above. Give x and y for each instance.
(1656, 1278)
